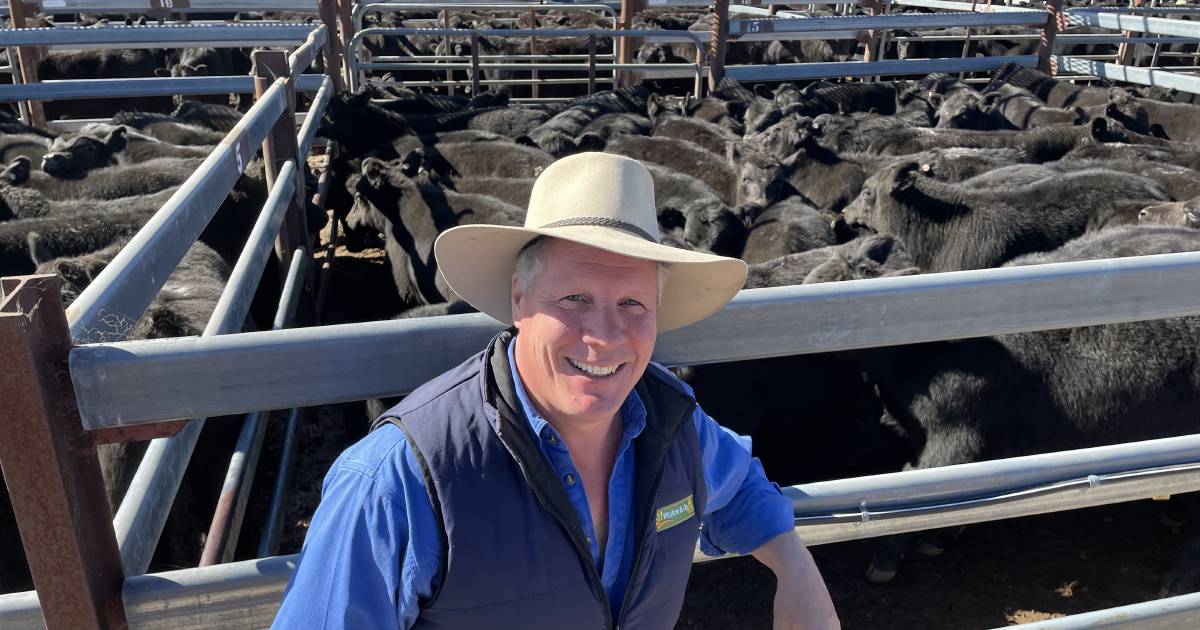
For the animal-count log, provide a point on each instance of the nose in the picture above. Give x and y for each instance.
(1144, 214)
(52, 161)
(602, 327)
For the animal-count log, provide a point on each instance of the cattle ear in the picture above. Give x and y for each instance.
(1099, 127)
(906, 176)
(1081, 116)
(1118, 95)
(990, 100)
(591, 141)
(877, 247)
(162, 72)
(747, 213)
(526, 141)
(654, 105)
(412, 163)
(1158, 131)
(37, 250)
(200, 68)
(671, 218)
(761, 90)
(117, 138)
(373, 170)
(935, 99)
(18, 170)
(733, 151)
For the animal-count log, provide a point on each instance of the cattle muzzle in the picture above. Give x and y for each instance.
(57, 163)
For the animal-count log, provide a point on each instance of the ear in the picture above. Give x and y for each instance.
(1081, 116)
(117, 139)
(411, 163)
(671, 218)
(790, 161)
(906, 176)
(935, 99)
(877, 248)
(162, 72)
(1118, 95)
(37, 250)
(762, 91)
(200, 68)
(1158, 131)
(733, 151)
(1099, 127)
(990, 100)
(373, 171)
(748, 212)
(1111, 110)
(17, 172)
(591, 141)
(654, 105)
(526, 141)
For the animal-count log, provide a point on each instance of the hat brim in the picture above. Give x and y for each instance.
(477, 261)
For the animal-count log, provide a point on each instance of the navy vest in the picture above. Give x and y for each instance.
(514, 553)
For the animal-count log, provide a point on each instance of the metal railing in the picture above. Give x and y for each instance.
(477, 65)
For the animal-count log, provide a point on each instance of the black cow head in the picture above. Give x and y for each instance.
(84, 152)
(17, 171)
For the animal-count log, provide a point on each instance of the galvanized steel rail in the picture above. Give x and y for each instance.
(155, 36)
(891, 67)
(136, 382)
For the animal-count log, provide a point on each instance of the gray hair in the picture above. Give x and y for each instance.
(529, 263)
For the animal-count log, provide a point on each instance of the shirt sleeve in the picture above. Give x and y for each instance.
(373, 549)
(743, 509)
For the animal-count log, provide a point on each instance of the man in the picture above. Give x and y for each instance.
(558, 479)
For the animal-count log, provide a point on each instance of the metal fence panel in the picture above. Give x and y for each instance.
(143, 381)
(1171, 613)
(893, 67)
(1129, 74)
(154, 36)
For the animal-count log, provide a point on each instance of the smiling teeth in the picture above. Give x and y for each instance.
(594, 370)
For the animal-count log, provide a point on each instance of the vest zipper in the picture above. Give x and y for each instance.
(576, 536)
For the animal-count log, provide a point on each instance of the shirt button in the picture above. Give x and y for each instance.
(553, 439)
(570, 479)
(589, 540)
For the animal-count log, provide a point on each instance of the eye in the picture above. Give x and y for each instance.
(574, 297)
(631, 302)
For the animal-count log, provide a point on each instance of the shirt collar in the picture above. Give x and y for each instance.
(633, 411)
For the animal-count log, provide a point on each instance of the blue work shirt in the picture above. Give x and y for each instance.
(373, 550)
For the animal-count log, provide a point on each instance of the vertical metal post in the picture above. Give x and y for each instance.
(334, 44)
(1055, 19)
(474, 65)
(51, 467)
(1125, 49)
(27, 60)
(627, 45)
(591, 65)
(345, 9)
(772, 9)
(279, 147)
(718, 43)
(533, 86)
(872, 47)
(966, 49)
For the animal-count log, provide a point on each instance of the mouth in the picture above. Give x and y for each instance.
(594, 370)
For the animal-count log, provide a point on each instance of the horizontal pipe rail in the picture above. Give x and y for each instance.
(113, 302)
(301, 58)
(312, 120)
(1158, 26)
(887, 21)
(226, 526)
(137, 7)
(136, 382)
(181, 599)
(1172, 613)
(154, 36)
(74, 89)
(1129, 74)
(143, 512)
(793, 71)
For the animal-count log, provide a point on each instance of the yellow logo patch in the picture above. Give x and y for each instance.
(671, 515)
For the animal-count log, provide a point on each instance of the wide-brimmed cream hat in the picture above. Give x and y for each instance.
(597, 199)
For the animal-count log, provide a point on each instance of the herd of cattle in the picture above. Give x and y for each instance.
(833, 182)
(818, 182)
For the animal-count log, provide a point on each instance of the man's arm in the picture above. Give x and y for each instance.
(746, 513)
(372, 549)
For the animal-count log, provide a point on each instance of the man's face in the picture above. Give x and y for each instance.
(586, 330)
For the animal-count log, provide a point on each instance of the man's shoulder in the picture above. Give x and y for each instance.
(662, 374)
(380, 456)
(442, 387)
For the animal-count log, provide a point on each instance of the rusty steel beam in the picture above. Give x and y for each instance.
(626, 46)
(334, 47)
(27, 58)
(718, 43)
(281, 146)
(51, 467)
(1056, 20)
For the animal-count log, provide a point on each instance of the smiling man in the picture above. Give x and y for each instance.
(558, 479)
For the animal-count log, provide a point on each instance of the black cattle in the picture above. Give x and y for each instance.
(872, 256)
(1051, 91)
(1179, 182)
(857, 131)
(559, 135)
(712, 226)
(10, 124)
(787, 227)
(1180, 121)
(32, 145)
(220, 118)
(1179, 213)
(105, 183)
(1025, 393)
(102, 64)
(411, 215)
(479, 159)
(349, 113)
(101, 145)
(669, 124)
(1039, 145)
(173, 129)
(1020, 109)
(948, 227)
(514, 191)
(67, 235)
(209, 61)
(23, 203)
(1174, 153)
